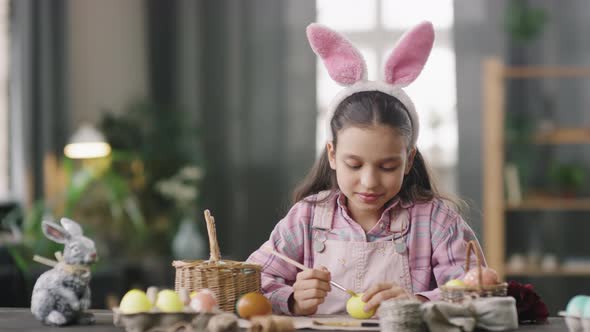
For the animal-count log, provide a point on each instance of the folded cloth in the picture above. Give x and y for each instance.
(487, 313)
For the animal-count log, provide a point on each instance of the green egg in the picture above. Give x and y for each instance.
(576, 305)
(586, 310)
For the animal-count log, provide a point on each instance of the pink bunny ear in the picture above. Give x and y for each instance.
(54, 232)
(410, 54)
(344, 62)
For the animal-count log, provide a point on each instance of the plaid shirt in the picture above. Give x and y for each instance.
(436, 239)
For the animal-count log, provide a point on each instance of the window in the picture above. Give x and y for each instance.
(4, 119)
(374, 26)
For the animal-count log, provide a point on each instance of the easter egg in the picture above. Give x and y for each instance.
(253, 304)
(169, 301)
(575, 307)
(586, 310)
(152, 294)
(488, 277)
(203, 301)
(455, 283)
(193, 293)
(355, 308)
(184, 296)
(134, 301)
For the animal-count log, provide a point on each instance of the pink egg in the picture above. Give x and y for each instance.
(489, 277)
(203, 301)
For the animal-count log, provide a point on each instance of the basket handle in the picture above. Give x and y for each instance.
(472, 246)
(212, 233)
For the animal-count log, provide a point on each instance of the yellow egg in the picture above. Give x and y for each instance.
(169, 301)
(135, 301)
(355, 308)
(193, 293)
(455, 283)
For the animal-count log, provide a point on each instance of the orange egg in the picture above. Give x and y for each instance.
(253, 304)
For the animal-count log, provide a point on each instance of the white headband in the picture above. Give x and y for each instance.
(346, 66)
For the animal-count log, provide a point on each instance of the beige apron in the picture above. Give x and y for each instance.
(359, 265)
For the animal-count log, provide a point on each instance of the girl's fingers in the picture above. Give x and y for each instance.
(316, 278)
(311, 288)
(314, 274)
(310, 303)
(392, 293)
(305, 284)
(369, 293)
(310, 294)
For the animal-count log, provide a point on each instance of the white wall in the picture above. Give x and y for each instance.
(107, 57)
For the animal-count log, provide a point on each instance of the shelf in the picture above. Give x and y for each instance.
(564, 136)
(499, 184)
(546, 72)
(559, 272)
(551, 203)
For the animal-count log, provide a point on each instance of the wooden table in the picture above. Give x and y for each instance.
(21, 319)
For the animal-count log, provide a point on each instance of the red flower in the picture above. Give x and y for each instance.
(530, 307)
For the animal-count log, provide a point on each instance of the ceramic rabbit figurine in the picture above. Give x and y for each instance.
(61, 295)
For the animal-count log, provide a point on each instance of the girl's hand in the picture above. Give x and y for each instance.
(383, 291)
(310, 290)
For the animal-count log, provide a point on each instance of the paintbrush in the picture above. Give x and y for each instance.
(346, 323)
(304, 268)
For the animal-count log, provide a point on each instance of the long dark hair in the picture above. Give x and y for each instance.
(366, 109)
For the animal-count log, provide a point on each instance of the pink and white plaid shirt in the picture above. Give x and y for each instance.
(436, 240)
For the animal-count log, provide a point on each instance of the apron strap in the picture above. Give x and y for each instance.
(323, 212)
(400, 219)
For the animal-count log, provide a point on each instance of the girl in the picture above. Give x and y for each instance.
(367, 216)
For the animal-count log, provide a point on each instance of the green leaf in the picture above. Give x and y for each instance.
(134, 212)
(79, 182)
(524, 23)
(19, 260)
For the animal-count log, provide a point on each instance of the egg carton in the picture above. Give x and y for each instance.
(576, 323)
(145, 321)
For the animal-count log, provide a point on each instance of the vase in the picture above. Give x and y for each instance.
(188, 243)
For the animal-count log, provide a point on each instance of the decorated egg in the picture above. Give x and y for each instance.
(184, 296)
(152, 294)
(169, 301)
(455, 283)
(253, 304)
(355, 308)
(203, 301)
(586, 310)
(135, 301)
(488, 277)
(576, 306)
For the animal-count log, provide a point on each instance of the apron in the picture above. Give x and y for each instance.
(359, 265)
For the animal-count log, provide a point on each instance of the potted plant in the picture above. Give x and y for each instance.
(568, 179)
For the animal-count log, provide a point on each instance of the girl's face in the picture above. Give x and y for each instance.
(370, 165)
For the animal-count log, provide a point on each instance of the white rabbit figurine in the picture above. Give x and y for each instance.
(61, 295)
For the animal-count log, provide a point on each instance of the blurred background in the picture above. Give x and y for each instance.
(191, 104)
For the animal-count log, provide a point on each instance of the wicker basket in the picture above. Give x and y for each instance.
(458, 294)
(227, 279)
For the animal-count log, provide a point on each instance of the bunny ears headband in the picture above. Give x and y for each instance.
(346, 66)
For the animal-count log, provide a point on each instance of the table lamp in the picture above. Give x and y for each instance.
(86, 143)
